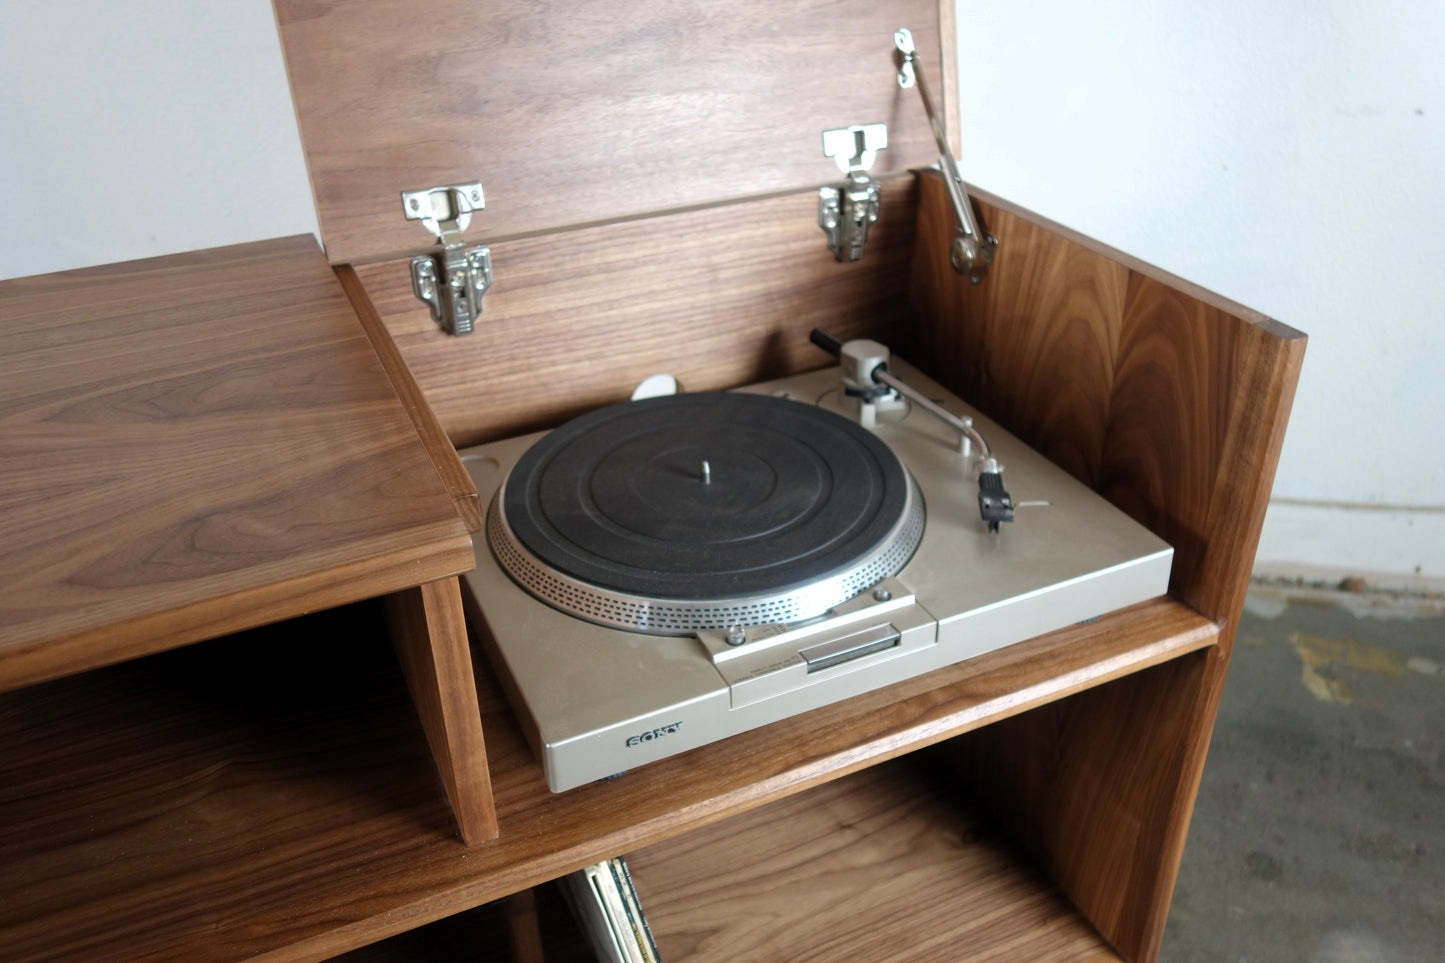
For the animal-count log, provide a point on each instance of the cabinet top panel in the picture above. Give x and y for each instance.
(575, 113)
(196, 443)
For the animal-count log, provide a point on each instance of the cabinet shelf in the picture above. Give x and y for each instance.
(194, 445)
(271, 793)
(885, 864)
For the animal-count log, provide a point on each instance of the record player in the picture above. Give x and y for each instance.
(662, 573)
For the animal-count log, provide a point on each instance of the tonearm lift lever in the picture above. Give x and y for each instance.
(867, 378)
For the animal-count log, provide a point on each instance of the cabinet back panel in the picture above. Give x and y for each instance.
(717, 297)
(1172, 402)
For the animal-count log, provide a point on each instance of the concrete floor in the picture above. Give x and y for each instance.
(1319, 832)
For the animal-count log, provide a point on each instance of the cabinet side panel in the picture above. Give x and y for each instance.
(1168, 413)
(717, 297)
(1267, 360)
(1196, 420)
(1171, 402)
(1034, 346)
(1100, 787)
(1167, 399)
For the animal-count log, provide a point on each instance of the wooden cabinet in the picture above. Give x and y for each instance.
(293, 790)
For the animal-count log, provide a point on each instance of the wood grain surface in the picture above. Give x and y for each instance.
(199, 805)
(430, 634)
(882, 865)
(1100, 787)
(524, 927)
(1033, 346)
(195, 444)
(578, 113)
(575, 320)
(448, 464)
(1172, 402)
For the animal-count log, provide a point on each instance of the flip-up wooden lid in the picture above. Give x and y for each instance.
(575, 113)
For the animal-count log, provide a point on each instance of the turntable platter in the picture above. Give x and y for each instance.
(705, 511)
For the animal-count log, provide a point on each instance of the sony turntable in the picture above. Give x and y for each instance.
(664, 573)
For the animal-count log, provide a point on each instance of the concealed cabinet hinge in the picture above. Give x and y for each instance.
(453, 282)
(845, 213)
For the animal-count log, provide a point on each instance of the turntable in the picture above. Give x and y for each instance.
(663, 573)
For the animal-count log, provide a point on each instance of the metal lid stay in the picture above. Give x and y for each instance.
(973, 248)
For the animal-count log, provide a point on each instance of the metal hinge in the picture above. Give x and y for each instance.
(845, 213)
(453, 282)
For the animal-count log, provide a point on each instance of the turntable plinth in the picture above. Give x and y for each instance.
(272, 794)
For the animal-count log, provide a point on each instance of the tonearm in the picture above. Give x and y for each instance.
(866, 377)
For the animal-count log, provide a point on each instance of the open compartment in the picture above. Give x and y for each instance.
(887, 863)
(205, 806)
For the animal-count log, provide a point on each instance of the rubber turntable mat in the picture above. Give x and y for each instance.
(618, 497)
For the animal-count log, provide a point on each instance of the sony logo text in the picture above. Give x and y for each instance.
(652, 734)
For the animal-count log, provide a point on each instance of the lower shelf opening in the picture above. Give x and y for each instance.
(273, 793)
(886, 864)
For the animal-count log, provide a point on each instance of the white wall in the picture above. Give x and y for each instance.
(1287, 155)
(1280, 153)
(141, 128)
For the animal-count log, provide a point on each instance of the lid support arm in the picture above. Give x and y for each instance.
(973, 248)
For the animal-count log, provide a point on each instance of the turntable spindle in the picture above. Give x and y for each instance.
(706, 473)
